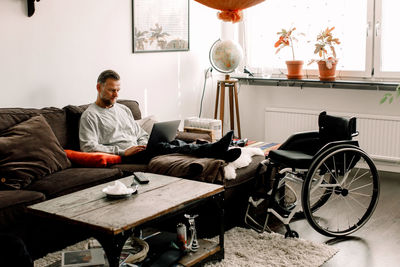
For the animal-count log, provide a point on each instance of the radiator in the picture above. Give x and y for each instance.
(379, 135)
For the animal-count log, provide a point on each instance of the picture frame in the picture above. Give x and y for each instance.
(160, 25)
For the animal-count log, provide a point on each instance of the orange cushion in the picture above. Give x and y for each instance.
(92, 159)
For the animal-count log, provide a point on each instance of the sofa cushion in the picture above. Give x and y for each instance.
(189, 137)
(209, 170)
(73, 114)
(73, 179)
(147, 123)
(29, 151)
(133, 106)
(54, 116)
(92, 159)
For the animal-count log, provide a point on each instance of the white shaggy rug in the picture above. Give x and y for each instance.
(247, 248)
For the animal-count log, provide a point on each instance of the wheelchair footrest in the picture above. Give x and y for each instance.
(255, 202)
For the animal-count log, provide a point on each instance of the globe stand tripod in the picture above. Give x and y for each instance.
(232, 85)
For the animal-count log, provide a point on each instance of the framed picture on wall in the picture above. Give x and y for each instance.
(160, 25)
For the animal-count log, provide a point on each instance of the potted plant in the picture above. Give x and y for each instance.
(294, 67)
(327, 62)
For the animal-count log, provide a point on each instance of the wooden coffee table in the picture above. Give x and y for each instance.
(112, 222)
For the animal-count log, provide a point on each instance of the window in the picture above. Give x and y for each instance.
(366, 45)
(387, 53)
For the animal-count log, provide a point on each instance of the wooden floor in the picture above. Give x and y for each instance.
(377, 243)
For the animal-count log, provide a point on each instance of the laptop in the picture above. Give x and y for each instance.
(162, 132)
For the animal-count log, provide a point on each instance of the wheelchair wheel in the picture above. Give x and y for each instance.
(341, 191)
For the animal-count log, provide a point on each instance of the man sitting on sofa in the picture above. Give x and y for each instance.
(107, 126)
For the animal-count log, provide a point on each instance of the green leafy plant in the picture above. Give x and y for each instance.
(325, 47)
(390, 96)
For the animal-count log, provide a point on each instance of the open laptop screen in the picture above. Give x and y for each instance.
(163, 132)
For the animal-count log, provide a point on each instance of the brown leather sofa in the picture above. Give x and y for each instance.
(41, 237)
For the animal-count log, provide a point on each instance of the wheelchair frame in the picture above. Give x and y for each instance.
(336, 187)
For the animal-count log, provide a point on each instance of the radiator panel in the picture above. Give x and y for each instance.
(379, 135)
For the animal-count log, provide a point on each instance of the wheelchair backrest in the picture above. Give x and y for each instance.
(332, 128)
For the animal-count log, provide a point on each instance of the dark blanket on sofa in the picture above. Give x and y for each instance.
(187, 166)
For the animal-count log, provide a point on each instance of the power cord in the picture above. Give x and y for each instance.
(209, 70)
(246, 70)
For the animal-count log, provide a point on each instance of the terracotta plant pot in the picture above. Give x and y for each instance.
(326, 74)
(295, 69)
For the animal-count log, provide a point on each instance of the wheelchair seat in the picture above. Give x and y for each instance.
(298, 151)
(290, 158)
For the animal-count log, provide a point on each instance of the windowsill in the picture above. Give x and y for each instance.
(339, 84)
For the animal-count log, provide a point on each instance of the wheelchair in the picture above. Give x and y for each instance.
(323, 176)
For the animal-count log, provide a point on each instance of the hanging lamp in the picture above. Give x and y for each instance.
(231, 10)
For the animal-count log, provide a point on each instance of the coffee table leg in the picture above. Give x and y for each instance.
(112, 245)
(219, 199)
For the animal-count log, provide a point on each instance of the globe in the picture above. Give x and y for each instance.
(225, 55)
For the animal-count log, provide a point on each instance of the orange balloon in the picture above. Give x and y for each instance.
(231, 9)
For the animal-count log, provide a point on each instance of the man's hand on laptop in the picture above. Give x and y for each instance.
(134, 150)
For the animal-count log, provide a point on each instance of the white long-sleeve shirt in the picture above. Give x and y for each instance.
(110, 130)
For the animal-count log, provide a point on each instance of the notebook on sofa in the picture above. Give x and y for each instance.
(162, 132)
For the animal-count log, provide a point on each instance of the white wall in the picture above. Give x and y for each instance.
(54, 57)
(253, 100)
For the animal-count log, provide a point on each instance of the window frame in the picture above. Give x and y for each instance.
(378, 73)
(372, 58)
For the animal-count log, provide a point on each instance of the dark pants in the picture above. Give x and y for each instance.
(175, 146)
(13, 252)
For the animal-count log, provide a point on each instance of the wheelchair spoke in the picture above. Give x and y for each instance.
(358, 202)
(320, 195)
(334, 165)
(357, 188)
(352, 211)
(346, 171)
(358, 169)
(334, 177)
(347, 201)
(328, 185)
(361, 194)
(318, 183)
(350, 163)
(355, 179)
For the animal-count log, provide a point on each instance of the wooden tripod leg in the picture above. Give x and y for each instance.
(231, 107)
(222, 105)
(237, 111)
(216, 101)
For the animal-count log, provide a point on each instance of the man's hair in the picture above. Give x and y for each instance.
(107, 74)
